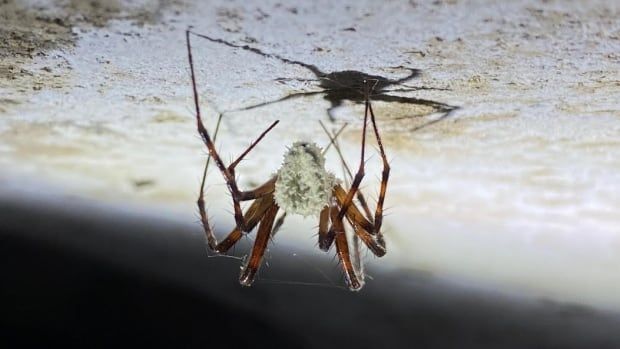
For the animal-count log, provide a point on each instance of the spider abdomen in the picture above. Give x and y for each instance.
(303, 185)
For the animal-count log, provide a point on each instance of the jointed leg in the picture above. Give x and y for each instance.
(360, 172)
(333, 140)
(375, 244)
(363, 228)
(342, 249)
(326, 234)
(227, 172)
(252, 216)
(262, 239)
(204, 219)
(204, 173)
(211, 239)
(369, 232)
(384, 177)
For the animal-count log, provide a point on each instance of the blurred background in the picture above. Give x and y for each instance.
(501, 121)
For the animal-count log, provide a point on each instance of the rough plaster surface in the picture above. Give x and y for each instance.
(519, 189)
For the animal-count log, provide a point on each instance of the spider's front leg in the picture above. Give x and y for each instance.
(369, 232)
(347, 202)
(227, 171)
(385, 175)
(231, 182)
(337, 210)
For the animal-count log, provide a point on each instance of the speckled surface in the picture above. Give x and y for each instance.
(517, 190)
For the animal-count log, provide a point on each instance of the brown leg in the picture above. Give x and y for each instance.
(342, 249)
(333, 140)
(362, 227)
(353, 213)
(384, 176)
(346, 201)
(375, 244)
(326, 235)
(204, 173)
(234, 164)
(252, 217)
(204, 219)
(227, 172)
(360, 171)
(262, 239)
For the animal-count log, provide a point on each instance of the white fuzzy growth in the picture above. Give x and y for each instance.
(303, 185)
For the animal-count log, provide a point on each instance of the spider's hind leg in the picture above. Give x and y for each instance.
(248, 272)
(353, 275)
(252, 216)
(326, 236)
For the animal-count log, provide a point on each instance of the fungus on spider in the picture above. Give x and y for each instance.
(303, 186)
(300, 186)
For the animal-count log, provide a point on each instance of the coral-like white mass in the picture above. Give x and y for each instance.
(303, 185)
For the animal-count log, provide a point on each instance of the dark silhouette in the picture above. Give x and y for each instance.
(346, 85)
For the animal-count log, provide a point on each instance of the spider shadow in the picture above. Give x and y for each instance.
(339, 86)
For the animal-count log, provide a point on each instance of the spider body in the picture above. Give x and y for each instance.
(303, 186)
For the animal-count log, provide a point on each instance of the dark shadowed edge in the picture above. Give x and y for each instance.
(82, 274)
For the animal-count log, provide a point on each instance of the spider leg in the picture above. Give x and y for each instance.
(227, 172)
(252, 216)
(385, 175)
(360, 172)
(354, 282)
(363, 228)
(376, 244)
(369, 232)
(234, 164)
(248, 272)
(204, 173)
(326, 236)
(333, 140)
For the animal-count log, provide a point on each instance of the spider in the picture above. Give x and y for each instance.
(301, 186)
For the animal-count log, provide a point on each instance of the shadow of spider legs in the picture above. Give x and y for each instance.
(437, 107)
(337, 86)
